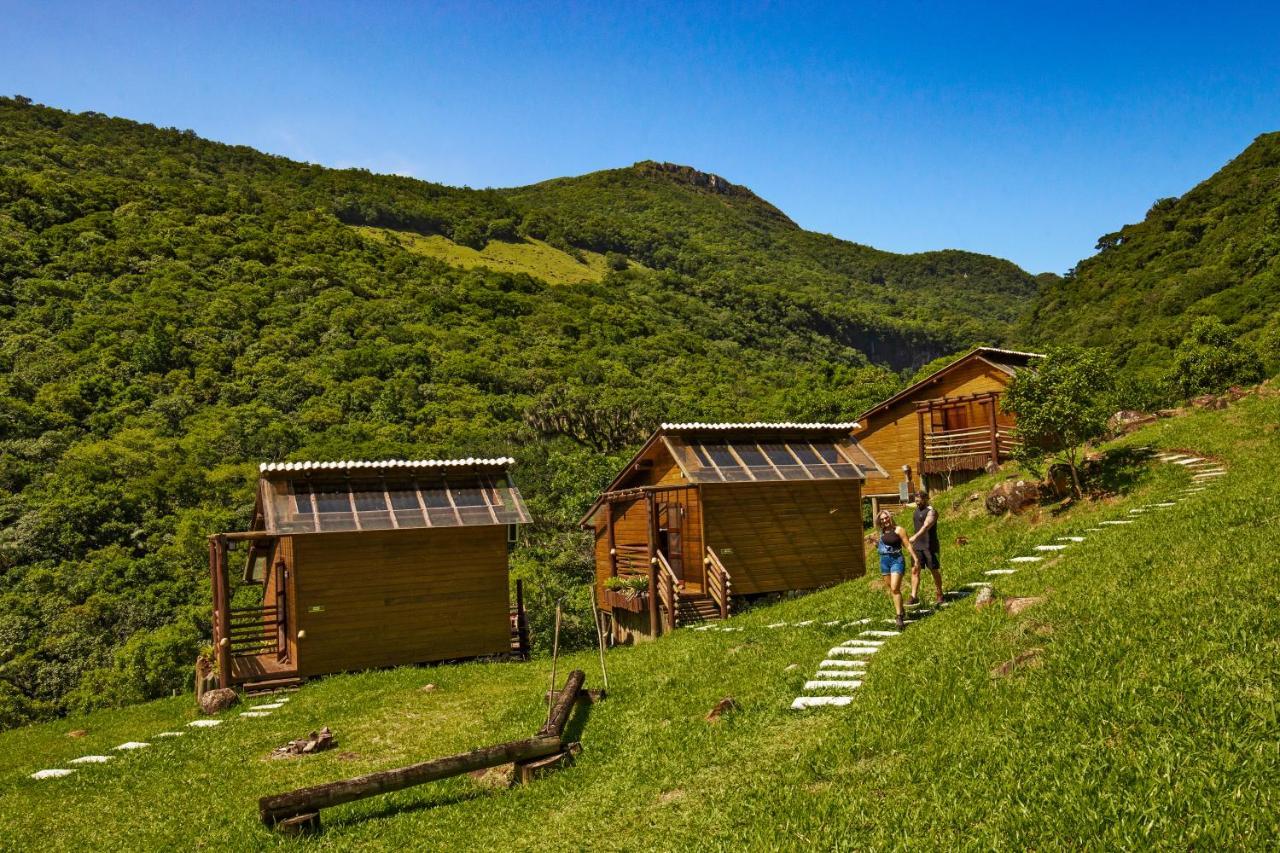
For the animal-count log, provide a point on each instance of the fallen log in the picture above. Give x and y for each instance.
(280, 807)
(300, 810)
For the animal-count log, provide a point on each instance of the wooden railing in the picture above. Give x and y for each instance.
(719, 582)
(253, 631)
(668, 591)
(963, 449)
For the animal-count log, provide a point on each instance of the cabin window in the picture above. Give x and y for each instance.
(404, 503)
(810, 459)
(302, 503)
(334, 506)
(787, 465)
(473, 508)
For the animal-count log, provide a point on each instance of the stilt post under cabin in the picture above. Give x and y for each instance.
(650, 505)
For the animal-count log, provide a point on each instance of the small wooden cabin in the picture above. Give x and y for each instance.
(706, 513)
(356, 565)
(944, 425)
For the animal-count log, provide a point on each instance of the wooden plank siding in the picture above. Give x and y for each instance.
(892, 436)
(393, 597)
(781, 536)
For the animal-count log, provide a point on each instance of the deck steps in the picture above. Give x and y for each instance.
(696, 609)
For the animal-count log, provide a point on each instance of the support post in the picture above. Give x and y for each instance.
(612, 538)
(221, 608)
(650, 505)
(920, 424)
(995, 432)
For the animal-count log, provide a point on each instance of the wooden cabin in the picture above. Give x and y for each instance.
(708, 513)
(945, 426)
(356, 565)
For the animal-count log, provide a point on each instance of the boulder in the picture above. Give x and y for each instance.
(1014, 606)
(1127, 420)
(218, 700)
(1013, 496)
(985, 596)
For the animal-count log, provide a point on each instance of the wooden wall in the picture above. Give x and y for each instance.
(393, 597)
(892, 436)
(781, 536)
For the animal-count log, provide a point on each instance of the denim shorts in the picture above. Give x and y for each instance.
(892, 564)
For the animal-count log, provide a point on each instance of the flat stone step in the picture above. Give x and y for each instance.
(843, 674)
(171, 734)
(54, 773)
(978, 584)
(803, 702)
(1070, 538)
(1051, 547)
(133, 744)
(832, 684)
(846, 664)
(1001, 572)
(874, 633)
(205, 724)
(91, 759)
(863, 643)
(1118, 521)
(853, 650)
(1025, 559)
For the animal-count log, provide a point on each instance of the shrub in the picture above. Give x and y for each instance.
(1211, 359)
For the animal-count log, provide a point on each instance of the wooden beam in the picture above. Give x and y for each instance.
(305, 801)
(651, 507)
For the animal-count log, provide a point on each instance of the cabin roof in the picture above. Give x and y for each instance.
(298, 498)
(753, 452)
(1005, 360)
(496, 462)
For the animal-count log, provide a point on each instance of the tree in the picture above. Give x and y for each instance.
(1210, 359)
(1061, 405)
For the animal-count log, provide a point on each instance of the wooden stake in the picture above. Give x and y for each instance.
(555, 654)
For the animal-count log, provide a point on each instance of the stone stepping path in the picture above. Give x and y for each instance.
(1070, 538)
(133, 744)
(1050, 547)
(802, 702)
(1000, 572)
(53, 773)
(91, 759)
(1025, 559)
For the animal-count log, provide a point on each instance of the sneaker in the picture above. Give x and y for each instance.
(902, 623)
(913, 602)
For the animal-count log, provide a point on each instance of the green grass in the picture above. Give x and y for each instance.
(532, 257)
(1151, 720)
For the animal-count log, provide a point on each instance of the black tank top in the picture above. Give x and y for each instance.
(919, 518)
(891, 540)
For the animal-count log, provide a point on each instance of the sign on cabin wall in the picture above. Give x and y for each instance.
(904, 491)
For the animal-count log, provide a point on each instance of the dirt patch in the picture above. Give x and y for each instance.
(77, 733)
(725, 706)
(675, 795)
(1025, 660)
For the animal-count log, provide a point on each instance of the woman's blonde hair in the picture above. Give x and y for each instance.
(884, 513)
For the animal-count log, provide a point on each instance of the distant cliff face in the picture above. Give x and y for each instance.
(689, 176)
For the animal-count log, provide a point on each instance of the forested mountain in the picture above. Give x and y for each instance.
(174, 311)
(1215, 251)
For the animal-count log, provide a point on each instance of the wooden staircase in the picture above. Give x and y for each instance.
(696, 609)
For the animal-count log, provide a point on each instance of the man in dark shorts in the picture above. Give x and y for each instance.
(924, 542)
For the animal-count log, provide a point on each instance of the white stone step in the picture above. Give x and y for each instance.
(205, 724)
(977, 584)
(874, 633)
(1189, 460)
(1025, 559)
(171, 734)
(1001, 572)
(52, 773)
(133, 744)
(255, 713)
(91, 759)
(1051, 547)
(844, 664)
(844, 674)
(1118, 521)
(1070, 538)
(832, 685)
(863, 643)
(853, 650)
(803, 702)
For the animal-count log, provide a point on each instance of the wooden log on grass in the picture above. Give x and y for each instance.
(300, 810)
(281, 807)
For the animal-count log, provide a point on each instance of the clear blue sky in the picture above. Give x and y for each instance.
(1018, 131)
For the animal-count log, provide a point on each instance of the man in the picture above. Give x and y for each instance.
(924, 542)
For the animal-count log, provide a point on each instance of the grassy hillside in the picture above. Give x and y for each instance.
(1214, 251)
(1147, 719)
(174, 311)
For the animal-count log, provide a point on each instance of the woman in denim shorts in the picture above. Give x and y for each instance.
(893, 546)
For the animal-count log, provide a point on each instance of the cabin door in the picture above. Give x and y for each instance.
(674, 533)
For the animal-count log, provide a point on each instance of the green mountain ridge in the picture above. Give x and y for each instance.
(1214, 251)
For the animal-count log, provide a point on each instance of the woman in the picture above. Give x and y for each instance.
(891, 545)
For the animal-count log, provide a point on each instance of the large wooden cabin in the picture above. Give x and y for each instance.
(706, 513)
(356, 565)
(946, 425)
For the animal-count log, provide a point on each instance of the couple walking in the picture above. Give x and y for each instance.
(895, 544)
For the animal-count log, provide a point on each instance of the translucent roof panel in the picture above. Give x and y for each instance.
(309, 504)
(713, 459)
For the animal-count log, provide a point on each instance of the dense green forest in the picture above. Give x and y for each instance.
(174, 311)
(1214, 252)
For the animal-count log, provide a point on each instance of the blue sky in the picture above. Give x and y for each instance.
(1018, 130)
